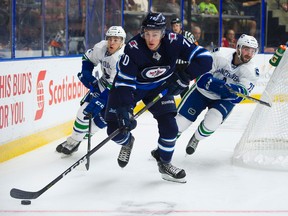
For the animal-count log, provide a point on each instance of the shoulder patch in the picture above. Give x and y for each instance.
(257, 71)
(216, 49)
(133, 44)
(172, 36)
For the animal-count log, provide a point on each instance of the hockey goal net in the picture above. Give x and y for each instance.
(264, 143)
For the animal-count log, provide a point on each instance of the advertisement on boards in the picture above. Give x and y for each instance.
(38, 94)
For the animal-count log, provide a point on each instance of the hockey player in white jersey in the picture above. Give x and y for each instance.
(232, 68)
(106, 53)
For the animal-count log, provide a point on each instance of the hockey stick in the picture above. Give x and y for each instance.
(21, 194)
(248, 97)
(87, 165)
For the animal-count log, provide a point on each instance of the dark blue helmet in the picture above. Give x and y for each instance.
(154, 21)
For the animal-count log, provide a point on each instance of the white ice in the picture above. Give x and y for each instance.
(214, 185)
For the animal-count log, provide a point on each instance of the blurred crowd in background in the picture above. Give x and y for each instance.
(39, 28)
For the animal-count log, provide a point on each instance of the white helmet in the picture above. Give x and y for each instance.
(247, 40)
(116, 31)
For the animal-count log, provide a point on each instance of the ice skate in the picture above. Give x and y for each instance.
(168, 171)
(192, 145)
(125, 152)
(68, 147)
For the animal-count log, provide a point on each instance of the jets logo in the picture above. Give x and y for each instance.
(153, 72)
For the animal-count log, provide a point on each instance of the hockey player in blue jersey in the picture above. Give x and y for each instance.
(147, 66)
(232, 68)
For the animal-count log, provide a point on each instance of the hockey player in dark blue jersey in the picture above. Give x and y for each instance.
(146, 67)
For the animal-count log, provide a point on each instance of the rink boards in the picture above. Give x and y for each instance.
(40, 98)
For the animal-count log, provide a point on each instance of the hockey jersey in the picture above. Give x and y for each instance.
(99, 55)
(244, 75)
(141, 68)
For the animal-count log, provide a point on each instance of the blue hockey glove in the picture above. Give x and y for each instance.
(94, 107)
(177, 83)
(233, 96)
(125, 119)
(208, 82)
(219, 86)
(87, 79)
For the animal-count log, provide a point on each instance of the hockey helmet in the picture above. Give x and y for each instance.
(247, 40)
(175, 21)
(116, 31)
(154, 21)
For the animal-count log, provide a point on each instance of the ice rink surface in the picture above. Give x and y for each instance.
(214, 187)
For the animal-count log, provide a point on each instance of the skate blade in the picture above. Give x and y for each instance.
(169, 178)
(63, 156)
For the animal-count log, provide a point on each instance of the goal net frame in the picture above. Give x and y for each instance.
(264, 143)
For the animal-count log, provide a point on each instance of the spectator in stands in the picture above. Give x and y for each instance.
(229, 39)
(252, 8)
(171, 6)
(194, 7)
(283, 4)
(143, 5)
(136, 5)
(231, 7)
(197, 32)
(249, 8)
(206, 7)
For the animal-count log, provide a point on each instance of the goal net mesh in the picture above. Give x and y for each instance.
(264, 143)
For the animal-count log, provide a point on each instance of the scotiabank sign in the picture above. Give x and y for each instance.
(37, 94)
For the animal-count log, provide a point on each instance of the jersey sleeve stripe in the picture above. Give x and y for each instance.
(193, 53)
(123, 84)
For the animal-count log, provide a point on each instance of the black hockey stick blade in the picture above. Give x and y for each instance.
(87, 165)
(248, 97)
(21, 194)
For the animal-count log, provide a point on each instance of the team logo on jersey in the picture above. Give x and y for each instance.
(134, 44)
(257, 71)
(154, 72)
(172, 37)
(191, 111)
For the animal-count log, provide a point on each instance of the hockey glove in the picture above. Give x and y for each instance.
(177, 83)
(219, 87)
(88, 80)
(95, 106)
(125, 119)
(208, 82)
